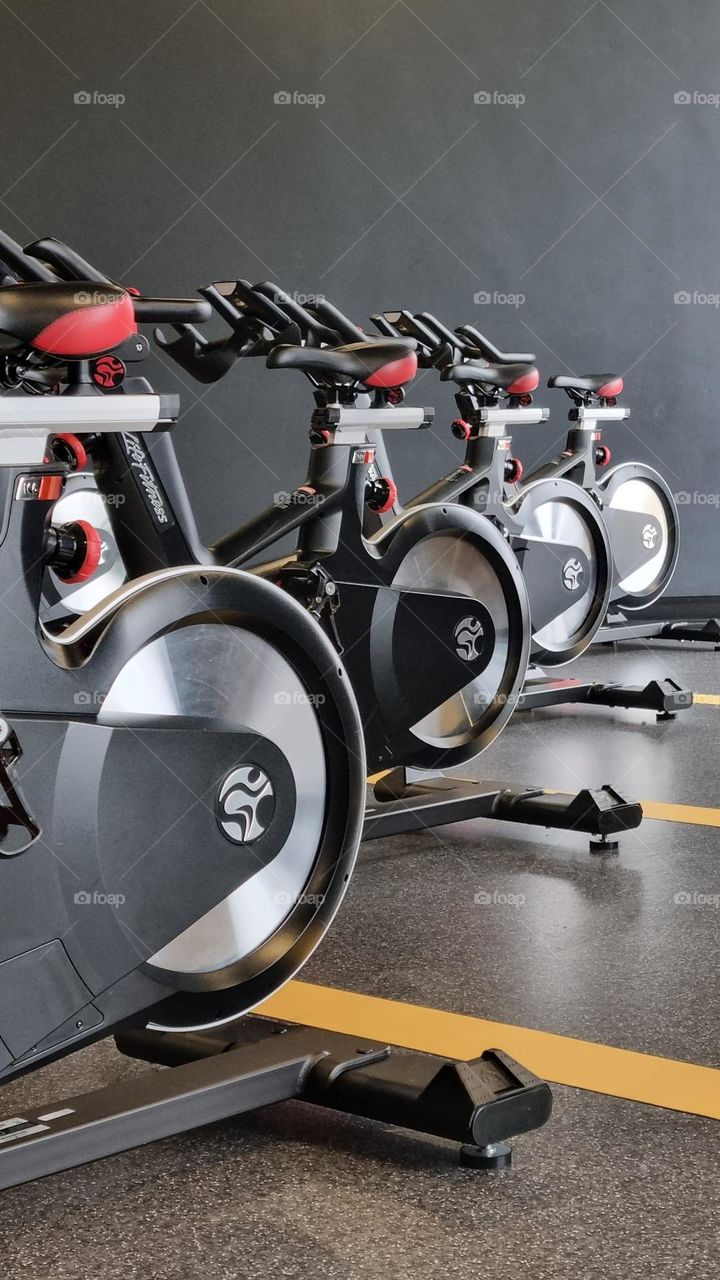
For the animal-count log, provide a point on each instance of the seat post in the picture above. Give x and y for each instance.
(80, 380)
(583, 445)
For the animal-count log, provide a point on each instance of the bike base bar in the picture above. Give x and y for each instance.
(665, 697)
(406, 801)
(479, 1103)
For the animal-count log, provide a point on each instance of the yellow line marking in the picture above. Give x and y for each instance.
(694, 815)
(618, 1073)
(711, 699)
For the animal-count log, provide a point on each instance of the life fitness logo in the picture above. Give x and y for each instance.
(145, 476)
(245, 804)
(468, 636)
(572, 574)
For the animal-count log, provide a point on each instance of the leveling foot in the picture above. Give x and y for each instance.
(603, 844)
(496, 1156)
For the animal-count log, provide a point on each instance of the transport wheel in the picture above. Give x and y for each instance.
(642, 520)
(279, 678)
(564, 550)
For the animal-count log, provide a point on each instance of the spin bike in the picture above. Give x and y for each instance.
(637, 505)
(195, 709)
(553, 527)
(183, 780)
(639, 510)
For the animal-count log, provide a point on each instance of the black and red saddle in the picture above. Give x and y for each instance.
(77, 320)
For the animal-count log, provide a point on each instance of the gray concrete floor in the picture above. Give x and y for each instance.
(598, 949)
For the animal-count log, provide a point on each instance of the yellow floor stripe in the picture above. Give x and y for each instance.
(694, 815)
(711, 699)
(619, 1073)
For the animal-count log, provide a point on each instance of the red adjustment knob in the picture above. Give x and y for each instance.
(396, 395)
(383, 495)
(108, 371)
(513, 470)
(602, 455)
(320, 436)
(87, 552)
(70, 450)
(461, 429)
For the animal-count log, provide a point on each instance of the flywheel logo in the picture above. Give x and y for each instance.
(650, 535)
(468, 636)
(572, 574)
(245, 804)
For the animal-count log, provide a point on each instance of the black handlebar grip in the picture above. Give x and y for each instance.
(308, 323)
(66, 263)
(348, 331)
(171, 310)
(490, 352)
(21, 264)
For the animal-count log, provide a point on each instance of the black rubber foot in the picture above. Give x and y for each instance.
(603, 844)
(496, 1156)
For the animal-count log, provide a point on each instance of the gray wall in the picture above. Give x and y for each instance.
(596, 198)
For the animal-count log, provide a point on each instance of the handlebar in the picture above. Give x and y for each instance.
(490, 352)
(434, 351)
(313, 331)
(20, 264)
(261, 317)
(171, 310)
(256, 323)
(343, 327)
(66, 263)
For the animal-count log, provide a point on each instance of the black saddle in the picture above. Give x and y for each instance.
(76, 320)
(516, 379)
(391, 362)
(601, 384)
